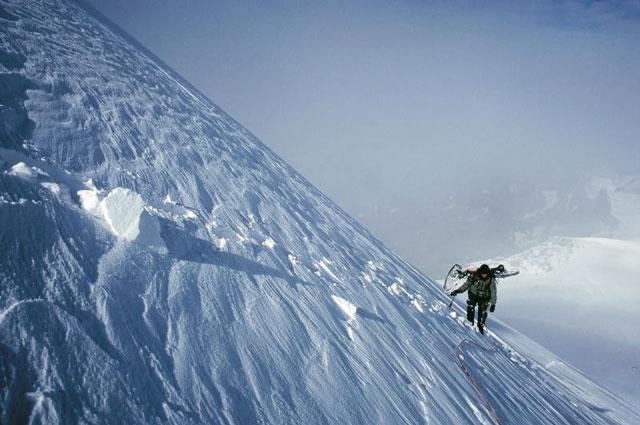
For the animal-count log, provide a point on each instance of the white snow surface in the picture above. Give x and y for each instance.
(90, 201)
(125, 213)
(99, 326)
(122, 209)
(347, 308)
(269, 243)
(21, 169)
(579, 298)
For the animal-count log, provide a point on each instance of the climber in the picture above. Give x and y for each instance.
(482, 291)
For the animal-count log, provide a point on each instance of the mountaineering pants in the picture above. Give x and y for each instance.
(483, 305)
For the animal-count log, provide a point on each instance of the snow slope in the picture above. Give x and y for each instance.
(161, 265)
(579, 298)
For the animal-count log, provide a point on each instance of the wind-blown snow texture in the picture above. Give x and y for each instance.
(245, 296)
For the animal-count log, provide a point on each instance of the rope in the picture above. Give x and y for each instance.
(473, 382)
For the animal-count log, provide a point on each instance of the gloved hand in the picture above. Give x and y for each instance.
(454, 293)
(492, 308)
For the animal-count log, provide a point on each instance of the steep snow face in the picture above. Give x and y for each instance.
(579, 298)
(164, 266)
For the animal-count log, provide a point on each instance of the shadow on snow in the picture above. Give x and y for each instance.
(183, 246)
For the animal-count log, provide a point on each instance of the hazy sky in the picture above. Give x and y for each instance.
(403, 102)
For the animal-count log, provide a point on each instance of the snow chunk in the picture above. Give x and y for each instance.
(347, 308)
(90, 198)
(293, 260)
(89, 201)
(394, 289)
(324, 266)
(397, 289)
(221, 243)
(20, 201)
(126, 215)
(52, 187)
(22, 170)
(269, 243)
(39, 171)
(122, 210)
(370, 274)
(417, 305)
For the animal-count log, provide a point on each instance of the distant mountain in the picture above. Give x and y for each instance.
(624, 195)
(505, 218)
(160, 265)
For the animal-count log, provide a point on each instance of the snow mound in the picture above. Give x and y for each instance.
(221, 243)
(269, 243)
(346, 307)
(90, 201)
(22, 170)
(126, 215)
(52, 187)
(122, 210)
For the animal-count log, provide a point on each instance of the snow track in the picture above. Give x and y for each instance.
(11, 308)
(487, 368)
(479, 391)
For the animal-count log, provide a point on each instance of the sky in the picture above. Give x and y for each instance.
(394, 107)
